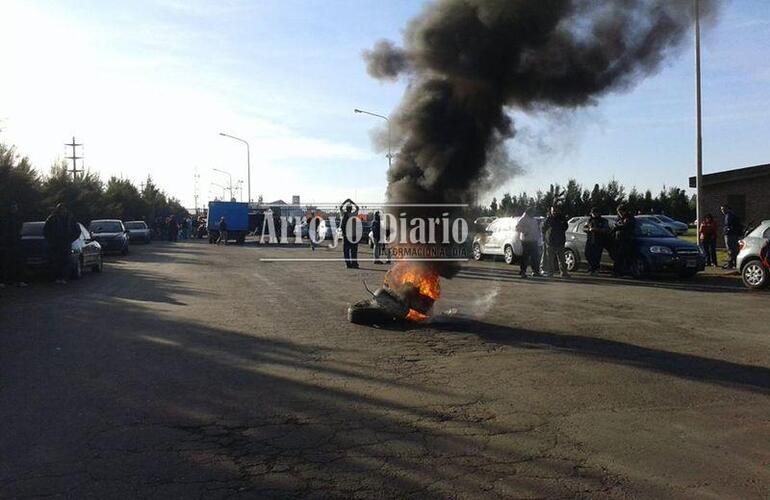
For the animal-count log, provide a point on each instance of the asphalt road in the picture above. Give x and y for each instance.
(190, 370)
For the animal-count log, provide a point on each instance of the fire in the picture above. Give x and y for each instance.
(418, 284)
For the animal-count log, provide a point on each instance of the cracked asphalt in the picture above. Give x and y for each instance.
(198, 371)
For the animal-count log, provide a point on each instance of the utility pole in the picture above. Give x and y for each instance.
(74, 145)
(699, 137)
(196, 178)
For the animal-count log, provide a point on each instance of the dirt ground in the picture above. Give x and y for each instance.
(190, 370)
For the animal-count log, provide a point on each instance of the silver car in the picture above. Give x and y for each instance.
(674, 226)
(138, 231)
(753, 257)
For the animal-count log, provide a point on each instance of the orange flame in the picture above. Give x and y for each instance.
(408, 278)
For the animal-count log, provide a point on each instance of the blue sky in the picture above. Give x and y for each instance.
(147, 86)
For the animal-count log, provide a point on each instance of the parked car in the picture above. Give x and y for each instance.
(482, 223)
(86, 252)
(111, 235)
(138, 231)
(677, 228)
(500, 238)
(657, 249)
(753, 257)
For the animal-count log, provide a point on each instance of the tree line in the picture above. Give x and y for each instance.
(87, 196)
(578, 200)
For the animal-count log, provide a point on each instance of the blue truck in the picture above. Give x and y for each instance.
(236, 216)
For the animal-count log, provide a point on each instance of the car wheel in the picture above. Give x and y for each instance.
(571, 260)
(754, 274)
(97, 268)
(508, 254)
(639, 268)
(477, 255)
(124, 251)
(77, 270)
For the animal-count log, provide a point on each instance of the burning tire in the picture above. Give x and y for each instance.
(367, 312)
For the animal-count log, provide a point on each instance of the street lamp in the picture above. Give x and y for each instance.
(228, 175)
(390, 155)
(248, 162)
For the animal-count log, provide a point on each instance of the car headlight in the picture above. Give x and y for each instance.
(661, 250)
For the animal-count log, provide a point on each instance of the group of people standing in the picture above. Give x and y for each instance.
(733, 232)
(174, 228)
(350, 238)
(617, 240)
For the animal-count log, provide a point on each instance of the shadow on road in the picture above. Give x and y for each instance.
(110, 393)
(687, 366)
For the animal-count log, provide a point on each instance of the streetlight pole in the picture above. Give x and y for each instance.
(248, 162)
(390, 155)
(699, 137)
(230, 181)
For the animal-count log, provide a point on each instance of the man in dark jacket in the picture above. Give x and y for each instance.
(350, 239)
(11, 261)
(733, 233)
(598, 231)
(554, 237)
(377, 237)
(222, 230)
(624, 234)
(60, 231)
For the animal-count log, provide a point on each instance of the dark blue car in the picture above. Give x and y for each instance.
(111, 235)
(657, 250)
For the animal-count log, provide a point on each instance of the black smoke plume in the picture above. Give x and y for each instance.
(469, 62)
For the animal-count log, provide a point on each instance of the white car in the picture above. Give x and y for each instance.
(501, 238)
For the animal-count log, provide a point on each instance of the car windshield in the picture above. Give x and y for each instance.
(651, 230)
(32, 229)
(105, 227)
(665, 218)
(136, 225)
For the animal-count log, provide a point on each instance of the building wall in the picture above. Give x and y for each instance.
(757, 200)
